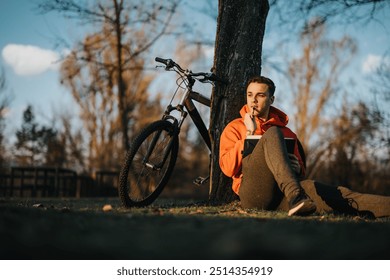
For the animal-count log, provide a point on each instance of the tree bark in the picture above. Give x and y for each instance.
(237, 57)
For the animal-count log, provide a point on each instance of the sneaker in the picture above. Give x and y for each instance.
(301, 205)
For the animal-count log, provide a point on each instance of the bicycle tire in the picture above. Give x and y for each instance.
(140, 185)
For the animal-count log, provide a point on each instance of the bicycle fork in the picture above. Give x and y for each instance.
(151, 147)
(175, 131)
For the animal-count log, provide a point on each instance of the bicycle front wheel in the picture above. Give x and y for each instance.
(149, 164)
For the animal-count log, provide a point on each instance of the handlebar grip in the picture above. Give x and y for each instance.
(161, 60)
(169, 63)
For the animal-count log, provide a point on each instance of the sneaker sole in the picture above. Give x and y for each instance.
(302, 209)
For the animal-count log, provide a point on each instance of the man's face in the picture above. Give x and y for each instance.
(258, 99)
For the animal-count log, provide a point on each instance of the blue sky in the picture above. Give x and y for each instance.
(28, 56)
(28, 59)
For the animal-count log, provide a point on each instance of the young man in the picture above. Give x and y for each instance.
(270, 178)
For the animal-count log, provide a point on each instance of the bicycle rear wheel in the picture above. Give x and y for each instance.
(142, 177)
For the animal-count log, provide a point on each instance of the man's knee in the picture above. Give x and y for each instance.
(272, 132)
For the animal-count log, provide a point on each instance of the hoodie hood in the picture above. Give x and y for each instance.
(275, 117)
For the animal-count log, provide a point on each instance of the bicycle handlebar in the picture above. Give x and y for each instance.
(169, 63)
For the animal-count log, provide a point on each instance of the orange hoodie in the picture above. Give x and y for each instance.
(232, 142)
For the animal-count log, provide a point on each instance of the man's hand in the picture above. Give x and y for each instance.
(294, 163)
(250, 122)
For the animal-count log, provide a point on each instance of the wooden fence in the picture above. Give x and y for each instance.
(56, 182)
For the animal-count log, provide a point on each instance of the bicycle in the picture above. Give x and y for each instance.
(152, 155)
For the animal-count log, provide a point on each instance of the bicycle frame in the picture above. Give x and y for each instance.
(185, 102)
(191, 109)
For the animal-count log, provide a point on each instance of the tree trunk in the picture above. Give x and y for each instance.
(240, 31)
(121, 86)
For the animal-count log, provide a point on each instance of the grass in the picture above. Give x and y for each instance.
(182, 229)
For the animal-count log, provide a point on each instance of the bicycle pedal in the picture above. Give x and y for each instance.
(200, 180)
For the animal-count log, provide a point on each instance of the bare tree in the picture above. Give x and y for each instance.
(380, 84)
(314, 83)
(132, 28)
(73, 140)
(383, 74)
(380, 88)
(350, 157)
(296, 13)
(94, 89)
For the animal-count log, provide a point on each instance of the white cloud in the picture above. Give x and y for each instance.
(29, 60)
(371, 63)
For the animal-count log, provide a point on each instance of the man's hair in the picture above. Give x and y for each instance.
(262, 80)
